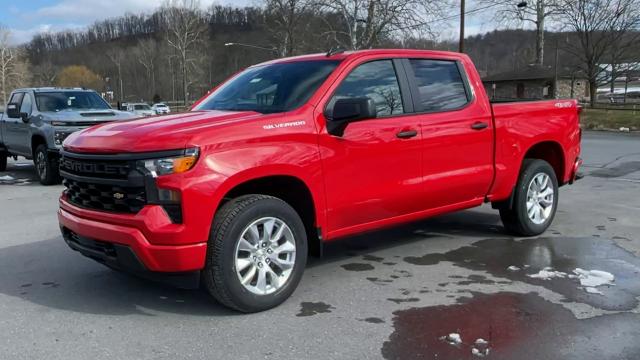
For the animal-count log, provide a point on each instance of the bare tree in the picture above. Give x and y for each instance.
(13, 69)
(365, 23)
(146, 52)
(185, 29)
(116, 55)
(535, 12)
(285, 19)
(44, 74)
(602, 27)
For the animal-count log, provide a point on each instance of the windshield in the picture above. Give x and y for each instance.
(141, 107)
(70, 100)
(270, 88)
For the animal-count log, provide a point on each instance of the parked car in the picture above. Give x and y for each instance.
(292, 153)
(161, 108)
(140, 109)
(38, 120)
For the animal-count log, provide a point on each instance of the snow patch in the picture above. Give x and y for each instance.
(548, 274)
(513, 268)
(594, 278)
(7, 178)
(453, 339)
(591, 279)
(480, 348)
(592, 290)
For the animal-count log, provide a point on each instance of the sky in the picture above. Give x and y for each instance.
(26, 18)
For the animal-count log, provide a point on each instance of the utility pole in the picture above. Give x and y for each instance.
(555, 73)
(461, 44)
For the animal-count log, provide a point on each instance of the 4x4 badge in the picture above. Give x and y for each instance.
(118, 196)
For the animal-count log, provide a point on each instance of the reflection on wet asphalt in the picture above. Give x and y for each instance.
(560, 253)
(517, 326)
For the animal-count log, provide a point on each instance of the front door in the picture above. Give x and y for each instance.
(16, 134)
(373, 171)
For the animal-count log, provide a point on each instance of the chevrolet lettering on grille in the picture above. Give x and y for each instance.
(93, 168)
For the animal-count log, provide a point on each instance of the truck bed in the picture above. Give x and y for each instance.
(519, 124)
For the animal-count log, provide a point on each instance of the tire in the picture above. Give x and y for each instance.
(233, 221)
(517, 219)
(46, 166)
(3, 160)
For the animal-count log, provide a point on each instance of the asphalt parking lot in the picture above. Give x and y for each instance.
(391, 294)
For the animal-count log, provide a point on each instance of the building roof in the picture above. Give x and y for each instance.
(532, 72)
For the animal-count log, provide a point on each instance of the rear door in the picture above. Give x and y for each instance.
(373, 171)
(16, 134)
(457, 131)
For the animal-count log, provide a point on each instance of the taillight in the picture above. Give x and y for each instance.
(579, 107)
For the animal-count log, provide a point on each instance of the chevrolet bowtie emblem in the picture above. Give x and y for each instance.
(118, 196)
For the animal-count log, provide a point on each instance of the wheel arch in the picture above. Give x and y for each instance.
(37, 140)
(292, 190)
(551, 152)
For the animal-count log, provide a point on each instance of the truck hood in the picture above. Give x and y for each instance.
(156, 133)
(87, 116)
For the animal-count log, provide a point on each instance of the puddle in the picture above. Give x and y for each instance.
(373, 320)
(560, 253)
(618, 170)
(314, 308)
(516, 326)
(357, 267)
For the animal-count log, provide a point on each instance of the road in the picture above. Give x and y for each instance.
(390, 294)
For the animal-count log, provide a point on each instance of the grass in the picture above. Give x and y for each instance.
(610, 119)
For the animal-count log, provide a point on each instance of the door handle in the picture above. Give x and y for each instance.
(406, 134)
(479, 125)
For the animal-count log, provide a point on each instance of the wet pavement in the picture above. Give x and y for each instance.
(392, 294)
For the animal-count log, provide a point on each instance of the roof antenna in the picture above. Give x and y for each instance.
(334, 50)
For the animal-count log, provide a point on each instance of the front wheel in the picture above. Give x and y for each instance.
(46, 166)
(256, 254)
(535, 200)
(3, 160)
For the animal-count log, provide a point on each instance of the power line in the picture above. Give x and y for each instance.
(448, 17)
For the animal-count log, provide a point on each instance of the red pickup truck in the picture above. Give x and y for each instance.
(294, 152)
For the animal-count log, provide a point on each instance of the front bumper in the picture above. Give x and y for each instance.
(123, 232)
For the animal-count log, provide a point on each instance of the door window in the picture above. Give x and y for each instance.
(16, 99)
(440, 85)
(26, 104)
(376, 80)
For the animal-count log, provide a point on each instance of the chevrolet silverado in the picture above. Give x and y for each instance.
(289, 154)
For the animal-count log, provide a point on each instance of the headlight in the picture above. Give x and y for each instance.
(59, 136)
(171, 165)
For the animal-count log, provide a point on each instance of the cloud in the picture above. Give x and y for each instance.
(71, 10)
(21, 36)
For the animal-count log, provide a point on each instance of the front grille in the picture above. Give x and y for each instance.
(105, 197)
(112, 169)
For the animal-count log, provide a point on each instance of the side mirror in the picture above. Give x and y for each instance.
(24, 116)
(13, 111)
(345, 111)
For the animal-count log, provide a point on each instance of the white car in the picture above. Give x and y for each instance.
(161, 108)
(140, 109)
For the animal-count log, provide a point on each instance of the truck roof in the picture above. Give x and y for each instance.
(54, 88)
(358, 53)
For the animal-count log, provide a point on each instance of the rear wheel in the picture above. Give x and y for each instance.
(535, 200)
(46, 166)
(256, 253)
